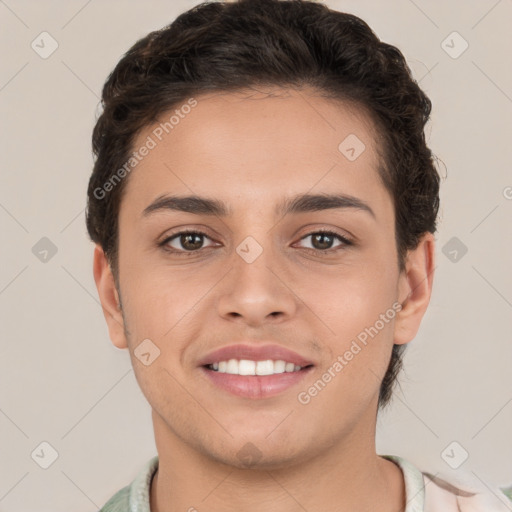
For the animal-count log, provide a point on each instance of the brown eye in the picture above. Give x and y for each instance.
(322, 241)
(185, 241)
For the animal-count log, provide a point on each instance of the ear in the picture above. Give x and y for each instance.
(415, 289)
(109, 298)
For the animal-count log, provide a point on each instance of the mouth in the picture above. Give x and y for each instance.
(249, 367)
(255, 372)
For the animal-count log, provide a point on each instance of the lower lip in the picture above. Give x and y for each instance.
(256, 386)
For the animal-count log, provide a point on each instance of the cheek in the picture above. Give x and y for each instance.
(349, 381)
(353, 299)
(359, 309)
(166, 305)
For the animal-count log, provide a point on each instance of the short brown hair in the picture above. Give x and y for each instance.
(218, 46)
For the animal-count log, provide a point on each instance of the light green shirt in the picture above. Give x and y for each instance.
(424, 493)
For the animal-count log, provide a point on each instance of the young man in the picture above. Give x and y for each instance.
(263, 205)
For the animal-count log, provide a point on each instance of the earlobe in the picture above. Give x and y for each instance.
(109, 298)
(415, 289)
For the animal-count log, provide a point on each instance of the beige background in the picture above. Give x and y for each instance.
(62, 382)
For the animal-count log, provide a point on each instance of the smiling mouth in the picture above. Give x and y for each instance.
(255, 379)
(248, 367)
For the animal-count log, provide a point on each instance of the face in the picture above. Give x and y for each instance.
(312, 284)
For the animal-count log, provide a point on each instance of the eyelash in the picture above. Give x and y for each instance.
(346, 242)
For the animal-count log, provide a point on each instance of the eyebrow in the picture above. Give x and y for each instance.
(297, 204)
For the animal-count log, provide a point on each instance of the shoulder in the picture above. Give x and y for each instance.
(462, 492)
(119, 502)
(134, 497)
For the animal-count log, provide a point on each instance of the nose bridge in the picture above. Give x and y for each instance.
(255, 291)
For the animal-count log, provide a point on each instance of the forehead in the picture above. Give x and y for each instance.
(257, 145)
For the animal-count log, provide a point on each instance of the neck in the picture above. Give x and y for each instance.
(347, 476)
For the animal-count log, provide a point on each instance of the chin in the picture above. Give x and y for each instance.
(250, 456)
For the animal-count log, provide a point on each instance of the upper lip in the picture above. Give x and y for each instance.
(254, 353)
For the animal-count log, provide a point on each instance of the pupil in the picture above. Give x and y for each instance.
(185, 239)
(322, 236)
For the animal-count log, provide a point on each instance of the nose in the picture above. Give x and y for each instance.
(257, 292)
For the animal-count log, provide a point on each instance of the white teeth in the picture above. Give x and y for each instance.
(279, 366)
(248, 367)
(232, 366)
(265, 367)
(290, 367)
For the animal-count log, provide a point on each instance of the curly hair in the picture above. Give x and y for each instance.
(220, 46)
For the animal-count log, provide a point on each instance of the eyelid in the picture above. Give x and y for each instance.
(346, 241)
(172, 236)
